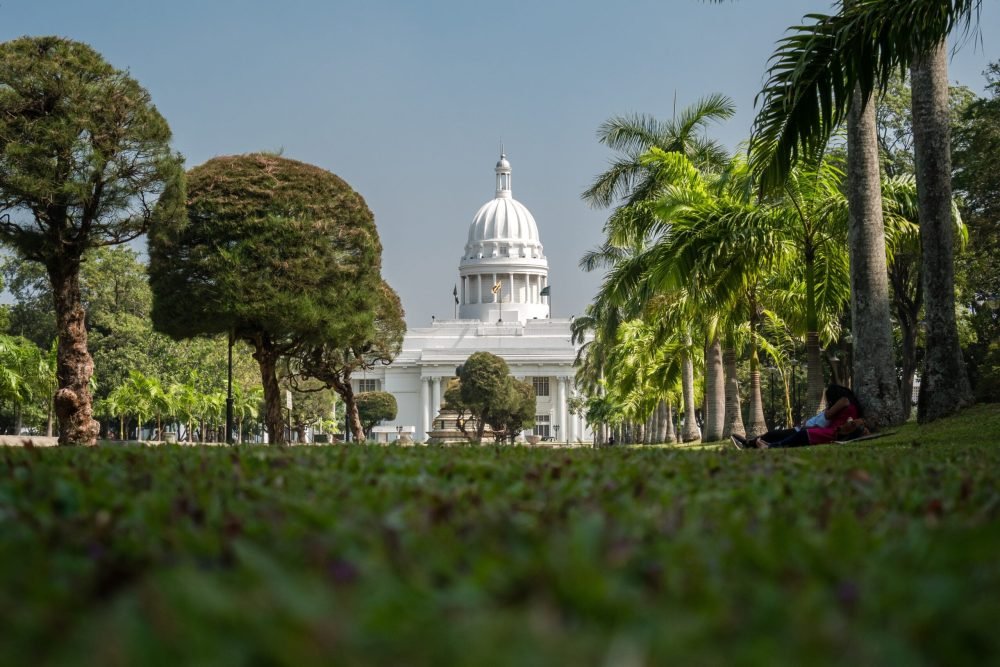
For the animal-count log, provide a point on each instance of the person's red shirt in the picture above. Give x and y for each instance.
(828, 433)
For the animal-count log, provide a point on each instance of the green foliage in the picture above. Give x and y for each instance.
(31, 313)
(873, 553)
(513, 412)
(977, 179)
(270, 246)
(84, 152)
(483, 383)
(375, 407)
(813, 72)
(279, 253)
(27, 381)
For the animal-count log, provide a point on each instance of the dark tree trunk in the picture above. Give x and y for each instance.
(814, 362)
(715, 400)
(874, 369)
(267, 358)
(907, 297)
(944, 385)
(74, 366)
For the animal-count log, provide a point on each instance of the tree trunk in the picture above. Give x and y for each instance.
(715, 399)
(874, 369)
(907, 298)
(267, 359)
(661, 421)
(814, 362)
(734, 414)
(690, 432)
(344, 389)
(74, 366)
(758, 425)
(944, 385)
(669, 436)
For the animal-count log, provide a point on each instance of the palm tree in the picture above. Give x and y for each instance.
(631, 182)
(827, 71)
(636, 183)
(22, 373)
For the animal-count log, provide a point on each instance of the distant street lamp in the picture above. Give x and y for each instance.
(229, 394)
(555, 428)
(399, 433)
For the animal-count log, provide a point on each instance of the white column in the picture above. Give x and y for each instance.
(510, 278)
(435, 397)
(561, 407)
(425, 404)
(573, 426)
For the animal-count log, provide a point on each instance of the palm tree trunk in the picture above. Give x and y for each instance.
(669, 436)
(874, 370)
(715, 385)
(758, 425)
(814, 362)
(74, 365)
(944, 385)
(733, 423)
(690, 430)
(661, 421)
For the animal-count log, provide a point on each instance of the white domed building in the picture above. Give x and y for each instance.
(503, 307)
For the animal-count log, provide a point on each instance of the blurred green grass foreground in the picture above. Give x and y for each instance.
(883, 552)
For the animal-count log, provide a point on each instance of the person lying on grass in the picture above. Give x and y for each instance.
(840, 421)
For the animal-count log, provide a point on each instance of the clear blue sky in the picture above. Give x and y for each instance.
(408, 101)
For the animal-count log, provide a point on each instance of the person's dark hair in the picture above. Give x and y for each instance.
(835, 392)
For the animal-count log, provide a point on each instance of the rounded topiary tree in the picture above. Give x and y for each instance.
(375, 407)
(276, 252)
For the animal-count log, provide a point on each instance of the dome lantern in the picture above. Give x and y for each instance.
(503, 177)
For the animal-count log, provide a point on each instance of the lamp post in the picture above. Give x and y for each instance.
(399, 433)
(555, 428)
(796, 407)
(229, 394)
(774, 410)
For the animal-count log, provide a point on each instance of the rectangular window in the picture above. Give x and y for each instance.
(542, 425)
(369, 385)
(541, 385)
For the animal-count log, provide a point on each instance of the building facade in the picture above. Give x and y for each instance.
(503, 308)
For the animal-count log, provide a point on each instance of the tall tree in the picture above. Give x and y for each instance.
(827, 71)
(334, 362)
(276, 252)
(944, 386)
(84, 156)
(375, 407)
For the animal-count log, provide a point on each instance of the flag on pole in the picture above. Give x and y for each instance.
(496, 288)
(455, 293)
(545, 291)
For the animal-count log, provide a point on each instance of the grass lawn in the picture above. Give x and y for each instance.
(883, 552)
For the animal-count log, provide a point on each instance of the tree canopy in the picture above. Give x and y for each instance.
(277, 252)
(375, 407)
